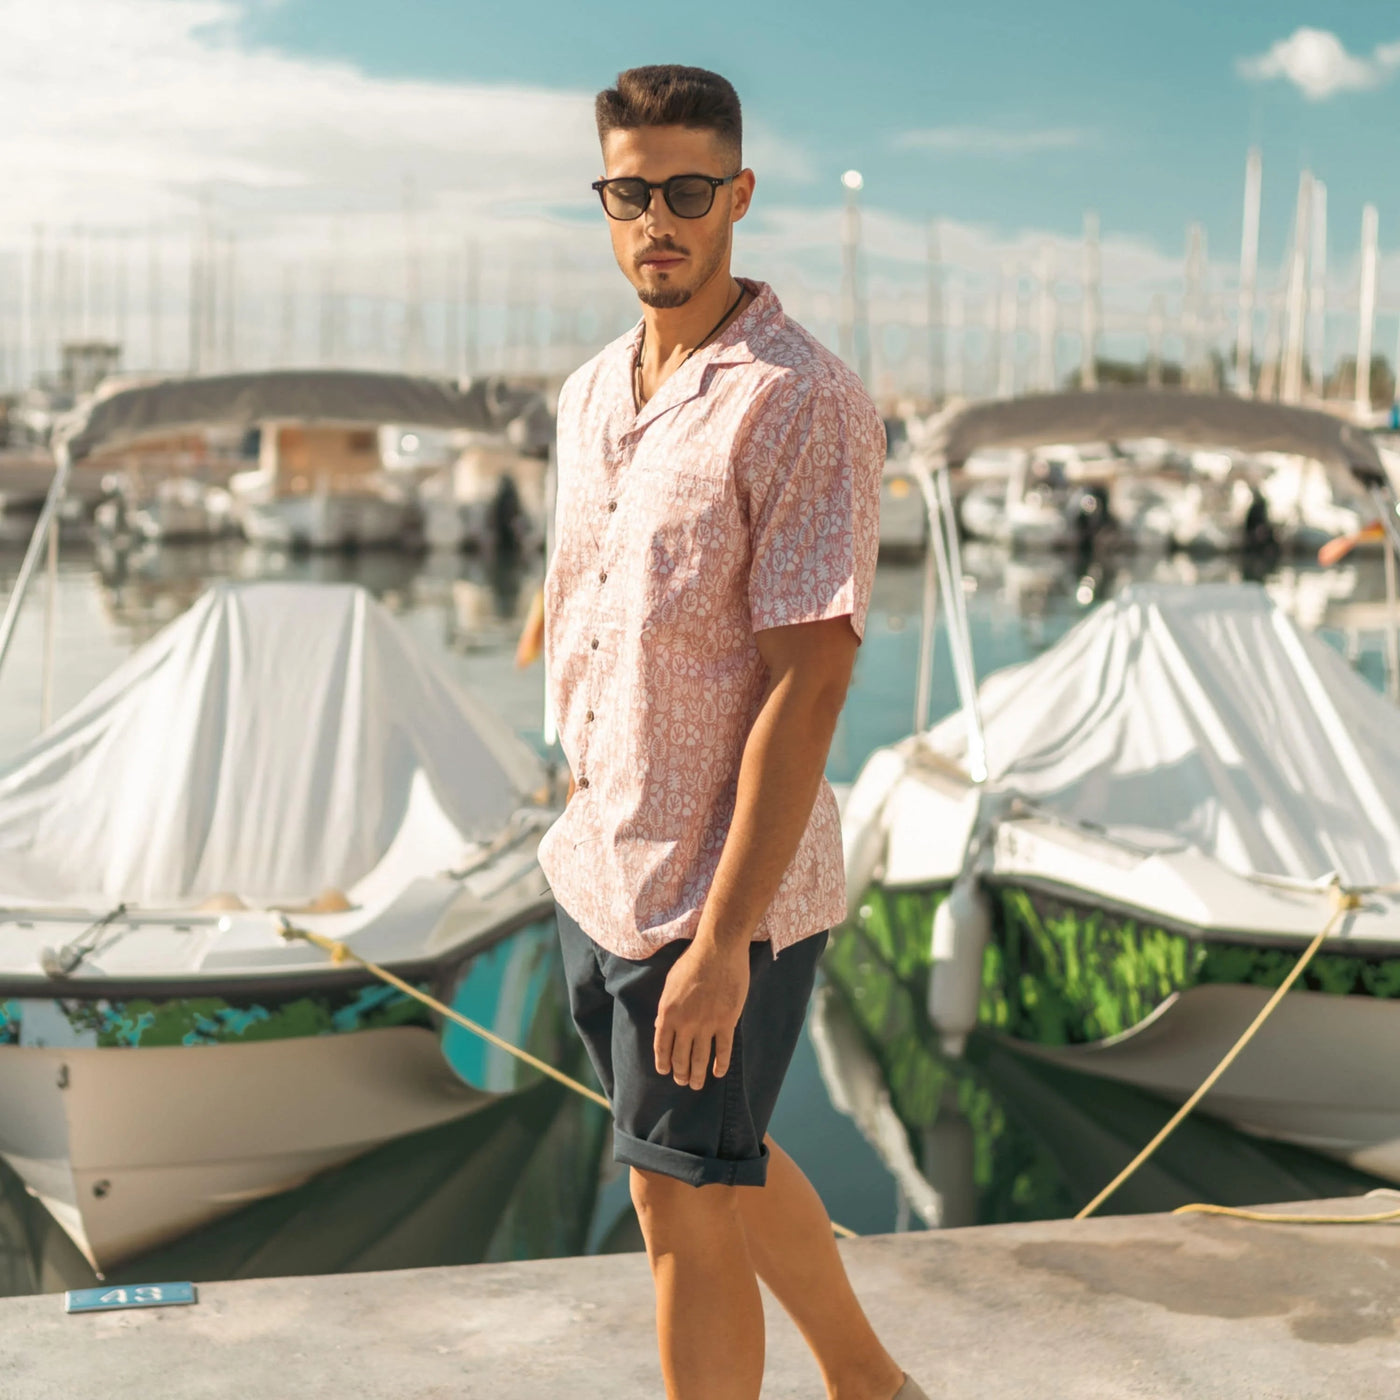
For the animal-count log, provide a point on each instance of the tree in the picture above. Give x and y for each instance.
(1341, 383)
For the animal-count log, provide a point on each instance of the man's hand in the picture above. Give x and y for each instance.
(700, 1006)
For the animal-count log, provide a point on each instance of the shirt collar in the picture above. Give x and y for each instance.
(737, 344)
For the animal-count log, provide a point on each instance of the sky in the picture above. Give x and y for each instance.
(329, 136)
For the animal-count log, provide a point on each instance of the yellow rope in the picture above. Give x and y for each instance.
(1343, 902)
(1281, 1218)
(341, 952)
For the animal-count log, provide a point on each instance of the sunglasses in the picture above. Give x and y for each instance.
(686, 196)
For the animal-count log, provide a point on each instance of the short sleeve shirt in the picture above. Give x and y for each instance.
(743, 495)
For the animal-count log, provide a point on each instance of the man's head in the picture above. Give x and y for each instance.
(658, 122)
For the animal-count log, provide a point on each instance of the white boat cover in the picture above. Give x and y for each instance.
(273, 742)
(1201, 715)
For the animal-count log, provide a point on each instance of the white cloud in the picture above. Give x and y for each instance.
(115, 111)
(109, 108)
(1317, 63)
(119, 119)
(992, 141)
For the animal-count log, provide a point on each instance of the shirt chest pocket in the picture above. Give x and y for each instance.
(689, 542)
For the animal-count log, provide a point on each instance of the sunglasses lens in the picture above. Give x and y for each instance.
(625, 199)
(689, 197)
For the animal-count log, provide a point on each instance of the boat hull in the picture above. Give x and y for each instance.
(328, 522)
(1320, 1072)
(1113, 994)
(131, 1146)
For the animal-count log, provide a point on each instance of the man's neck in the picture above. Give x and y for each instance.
(673, 332)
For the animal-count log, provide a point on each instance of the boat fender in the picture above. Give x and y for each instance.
(962, 928)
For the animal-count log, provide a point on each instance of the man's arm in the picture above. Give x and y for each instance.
(809, 670)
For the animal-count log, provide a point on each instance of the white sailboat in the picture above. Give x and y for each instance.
(1112, 852)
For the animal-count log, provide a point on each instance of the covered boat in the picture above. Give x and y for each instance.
(281, 751)
(1115, 851)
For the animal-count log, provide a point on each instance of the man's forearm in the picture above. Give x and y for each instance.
(779, 777)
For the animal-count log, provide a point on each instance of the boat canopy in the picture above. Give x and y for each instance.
(334, 396)
(1201, 716)
(1192, 420)
(276, 741)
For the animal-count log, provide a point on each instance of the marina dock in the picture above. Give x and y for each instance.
(1171, 1307)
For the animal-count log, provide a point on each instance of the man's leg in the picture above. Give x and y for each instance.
(709, 1315)
(792, 1248)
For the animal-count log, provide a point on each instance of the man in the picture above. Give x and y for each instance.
(716, 533)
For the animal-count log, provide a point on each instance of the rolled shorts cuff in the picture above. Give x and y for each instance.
(689, 1167)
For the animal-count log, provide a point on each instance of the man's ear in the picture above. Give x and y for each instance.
(743, 192)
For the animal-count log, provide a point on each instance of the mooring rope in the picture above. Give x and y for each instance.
(342, 952)
(1344, 901)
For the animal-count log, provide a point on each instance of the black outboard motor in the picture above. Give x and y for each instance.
(1259, 536)
(507, 516)
(1088, 513)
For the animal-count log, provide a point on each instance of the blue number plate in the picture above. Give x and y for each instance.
(143, 1295)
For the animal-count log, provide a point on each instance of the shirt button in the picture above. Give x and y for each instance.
(582, 782)
(612, 505)
(602, 575)
(594, 644)
(589, 716)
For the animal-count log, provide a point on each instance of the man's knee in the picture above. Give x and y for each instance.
(663, 1201)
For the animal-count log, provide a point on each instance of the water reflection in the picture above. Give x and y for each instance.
(1000, 1136)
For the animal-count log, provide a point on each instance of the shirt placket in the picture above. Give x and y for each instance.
(600, 639)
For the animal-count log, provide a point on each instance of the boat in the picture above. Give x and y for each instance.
(174, 509)
(321, 481)
(281, 754)
(1112, 853)
(321, 486)
(519, 1176)
(1001, 1135)
(1053, 499)
(489, 501)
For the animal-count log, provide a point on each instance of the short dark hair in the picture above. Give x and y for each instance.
(668, 94)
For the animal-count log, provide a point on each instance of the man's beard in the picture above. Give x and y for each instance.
(665, 298)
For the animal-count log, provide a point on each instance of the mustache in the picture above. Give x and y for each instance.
(657, 248)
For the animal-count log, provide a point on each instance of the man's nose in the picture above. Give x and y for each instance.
(657, 221)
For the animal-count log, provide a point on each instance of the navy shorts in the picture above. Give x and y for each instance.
(703, 1136)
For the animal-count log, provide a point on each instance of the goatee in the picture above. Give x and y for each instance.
(663, 298)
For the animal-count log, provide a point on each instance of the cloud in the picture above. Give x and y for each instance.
(125, 125)
(993, 141)
(115, 112)
(1317, 63)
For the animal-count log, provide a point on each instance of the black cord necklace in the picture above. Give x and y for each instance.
(642, 344)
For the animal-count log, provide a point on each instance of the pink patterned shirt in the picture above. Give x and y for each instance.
(744, 495)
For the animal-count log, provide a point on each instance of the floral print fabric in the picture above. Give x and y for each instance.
(744, 495)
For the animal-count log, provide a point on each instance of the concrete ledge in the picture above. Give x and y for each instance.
(1157, 1306)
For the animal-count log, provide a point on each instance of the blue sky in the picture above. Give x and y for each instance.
(354, 149)
(1141, 108)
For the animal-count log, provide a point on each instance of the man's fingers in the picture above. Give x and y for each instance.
(724, 1048)
(680, 1057)
(699, 1061)
(663, 1045)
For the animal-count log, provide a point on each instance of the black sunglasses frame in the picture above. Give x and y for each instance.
(714, 182)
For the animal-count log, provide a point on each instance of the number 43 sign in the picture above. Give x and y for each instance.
(145, 1295)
